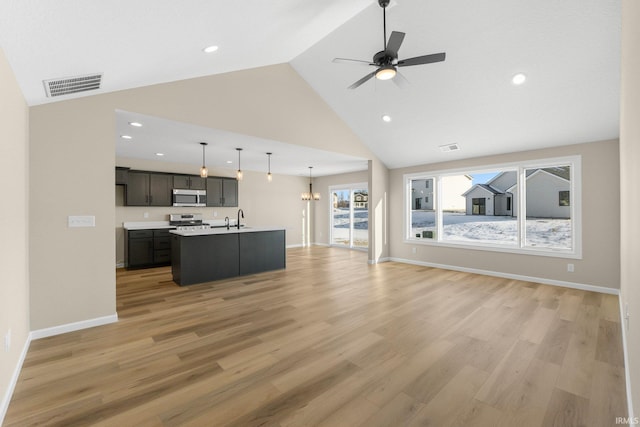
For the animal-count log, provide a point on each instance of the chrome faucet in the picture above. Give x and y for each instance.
(226, 221)
(240, 212)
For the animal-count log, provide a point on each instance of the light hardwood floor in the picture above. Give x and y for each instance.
(333, 341)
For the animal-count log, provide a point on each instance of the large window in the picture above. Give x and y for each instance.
(349, 206)
(529, 207)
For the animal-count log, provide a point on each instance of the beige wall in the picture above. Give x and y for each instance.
(73, 151)
(376, 177)
(14, 214)
(600, 223)
(264, 204)
(629, 179)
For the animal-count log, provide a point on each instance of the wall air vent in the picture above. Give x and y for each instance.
(449, 147)
(69, 85)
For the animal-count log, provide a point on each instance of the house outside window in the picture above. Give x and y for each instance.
(529, 207)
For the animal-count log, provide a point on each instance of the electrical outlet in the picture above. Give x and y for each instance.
(626, 315)
(7, 341)
(414, 250)
(146, 215)
(215, 214)
(570, 268)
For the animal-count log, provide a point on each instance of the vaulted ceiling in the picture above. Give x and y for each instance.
(569, 52)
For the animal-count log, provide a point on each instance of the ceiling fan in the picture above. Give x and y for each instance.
(386, 61)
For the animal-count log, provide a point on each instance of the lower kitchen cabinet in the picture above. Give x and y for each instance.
(148, 248)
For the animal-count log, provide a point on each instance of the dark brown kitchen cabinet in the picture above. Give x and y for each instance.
(148, 248)
(148, 189)
(139, 248)
(222, 192)
(122, 176)
(189, 182)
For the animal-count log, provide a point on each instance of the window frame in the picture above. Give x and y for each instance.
(575, 206)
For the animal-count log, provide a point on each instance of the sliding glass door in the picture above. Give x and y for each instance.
(350, 216)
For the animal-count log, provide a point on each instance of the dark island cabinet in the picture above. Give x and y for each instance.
(262, 251)
(222, 192)
(189, 182)
(200, 259)
(148, 189)
(208, 257)
(148, 248)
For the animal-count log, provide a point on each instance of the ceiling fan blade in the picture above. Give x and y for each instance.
(401, 81)
(395, 41)
(419, 60)
(362, 80)
(351, 61)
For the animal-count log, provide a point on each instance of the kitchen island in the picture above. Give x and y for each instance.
(205, 255)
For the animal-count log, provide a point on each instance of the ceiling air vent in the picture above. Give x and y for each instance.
(449, 147)
(69, 85)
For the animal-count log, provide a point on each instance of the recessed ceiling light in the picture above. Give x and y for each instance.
(386, 118)
(136, 124)
(159, 154)
(125, 136)
(210, 49)
(518, 79)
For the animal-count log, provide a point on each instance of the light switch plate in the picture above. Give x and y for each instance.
(82, 221)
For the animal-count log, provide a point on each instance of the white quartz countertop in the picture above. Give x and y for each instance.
(232, 230)
(147, 225)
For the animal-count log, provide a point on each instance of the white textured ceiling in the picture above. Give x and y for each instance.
(570, 51)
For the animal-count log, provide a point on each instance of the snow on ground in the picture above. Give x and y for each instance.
(462, 228)
(341, 225)
(495, 229)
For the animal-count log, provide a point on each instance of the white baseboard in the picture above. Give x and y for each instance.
(625, 351)
(76, 326)
(379, 260)
(573, 285)
(4, 405)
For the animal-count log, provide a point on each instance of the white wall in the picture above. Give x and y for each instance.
(14, 214)
(629, 179)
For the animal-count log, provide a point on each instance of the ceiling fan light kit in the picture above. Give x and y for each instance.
(386, 61)
(385, 73)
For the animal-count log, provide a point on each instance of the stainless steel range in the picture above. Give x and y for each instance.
(188, 221)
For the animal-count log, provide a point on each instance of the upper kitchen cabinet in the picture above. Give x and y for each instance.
(222, 192)
(149, 189)
(122, 176)
(189, 182)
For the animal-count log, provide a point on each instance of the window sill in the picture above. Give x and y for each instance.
(547, 252)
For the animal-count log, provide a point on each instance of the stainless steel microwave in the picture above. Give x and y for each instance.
(189, 197)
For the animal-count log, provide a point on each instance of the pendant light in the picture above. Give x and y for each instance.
(239, 171)
(204, 172)
(310, 195)
(269, 176)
